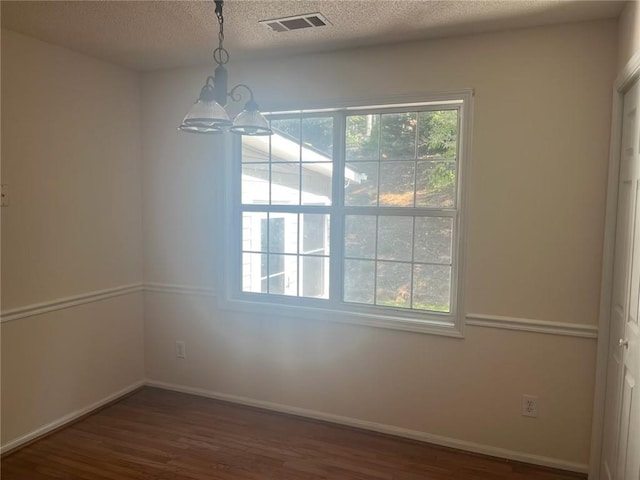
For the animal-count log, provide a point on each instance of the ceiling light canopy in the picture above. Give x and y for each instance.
(208, 114)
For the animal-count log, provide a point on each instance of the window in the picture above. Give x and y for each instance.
(355, 212)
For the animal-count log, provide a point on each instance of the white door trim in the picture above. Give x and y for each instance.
(625, 80)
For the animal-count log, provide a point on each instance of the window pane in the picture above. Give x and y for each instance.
(362, 137)
(438, 134)
(436, 184)
(434, 240)
(314, 277)
(395, 238)
(316, 183)
(283, 274)
(393, 284)
(283, 233)
(253, 234)
(397, 184)
(254, 268)
(255, 149)
(255, 184)
(359, 281)
(276, 274)
(288, 128)
(432, 288)
(360, 236)
(315, 234)
(398, 136)
(317, 139)
(361, 184)
(285, 183)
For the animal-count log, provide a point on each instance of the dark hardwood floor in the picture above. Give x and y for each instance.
(157, 434)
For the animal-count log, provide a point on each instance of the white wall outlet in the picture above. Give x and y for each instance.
(4, 194)
(529, 406)
(181, 349)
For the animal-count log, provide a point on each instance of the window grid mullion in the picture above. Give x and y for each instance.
(415, 164)
(269, 213)
(299, 252)
(378, 164)
(375, 266)
(300, 163)
(413, 251)
(404, 262)
(268, 252)
(400, 211)
(327, 210)
(262, 207)
(336, 242)
(235, 198)
(270, 170)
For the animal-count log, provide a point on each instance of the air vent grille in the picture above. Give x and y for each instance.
(286, 24)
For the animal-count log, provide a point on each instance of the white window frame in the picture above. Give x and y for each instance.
(231, 296)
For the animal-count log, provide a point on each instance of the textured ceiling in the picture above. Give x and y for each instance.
(148, 35)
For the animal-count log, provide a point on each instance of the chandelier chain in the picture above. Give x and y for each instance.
(220, 54)
(220, 23)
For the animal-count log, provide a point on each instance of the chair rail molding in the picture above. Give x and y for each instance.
(532, 325)
(180, 289)
(68, 302)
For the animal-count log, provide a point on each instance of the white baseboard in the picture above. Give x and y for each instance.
(68, 418)
(380, 428)
(307, 413)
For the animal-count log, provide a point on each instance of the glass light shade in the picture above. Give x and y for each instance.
(251, 122)
(205, 117)
(198, 129)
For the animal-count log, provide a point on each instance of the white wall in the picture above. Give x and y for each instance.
(628, 33)
(541, 136)
(71, 157)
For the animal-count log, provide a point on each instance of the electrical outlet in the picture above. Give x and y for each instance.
(529, 406)
(181, 349)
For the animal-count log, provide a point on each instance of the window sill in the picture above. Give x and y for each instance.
(444, 325)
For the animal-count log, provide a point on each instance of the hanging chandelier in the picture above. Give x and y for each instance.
(208, 114)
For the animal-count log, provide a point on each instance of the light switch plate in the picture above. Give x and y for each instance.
(181, 349)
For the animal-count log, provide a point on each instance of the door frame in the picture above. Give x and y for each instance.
(625, 80)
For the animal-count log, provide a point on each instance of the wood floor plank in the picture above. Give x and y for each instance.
(161, 435)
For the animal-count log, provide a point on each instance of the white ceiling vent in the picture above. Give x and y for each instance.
(308, 20)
